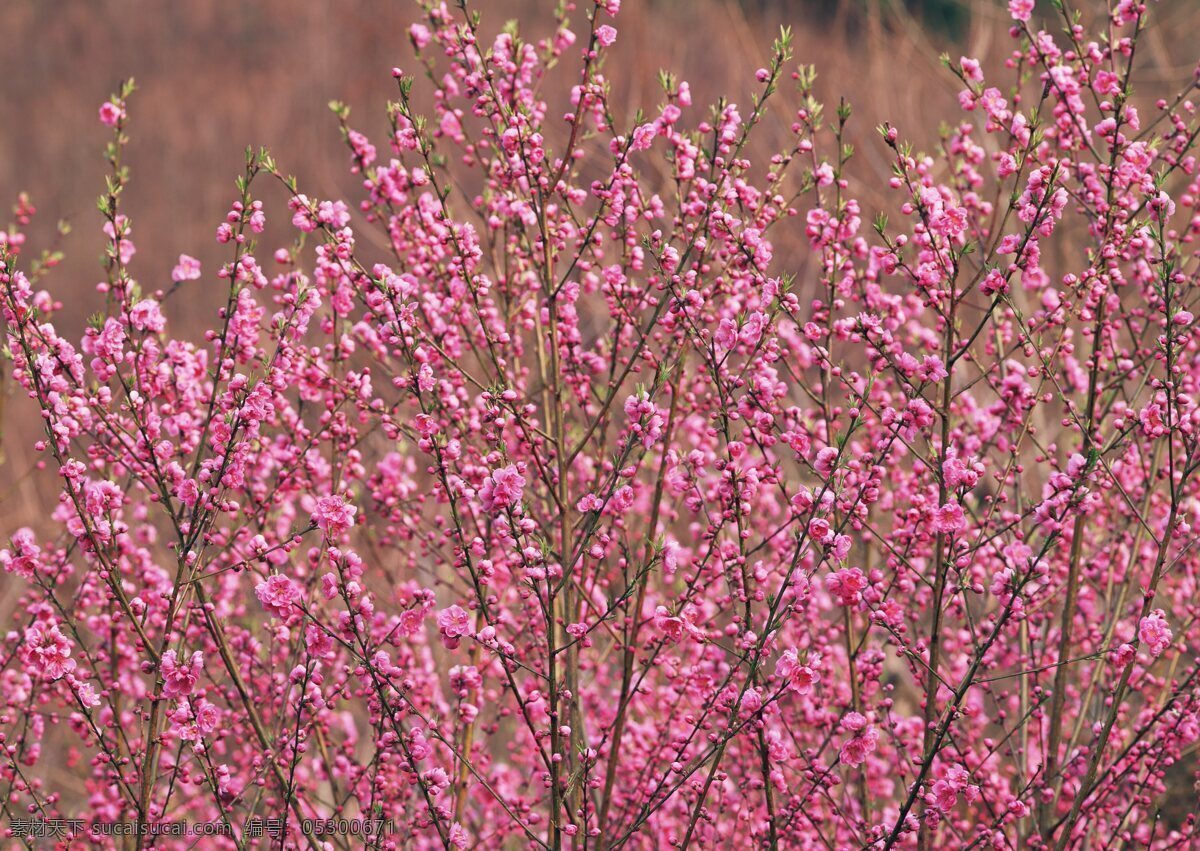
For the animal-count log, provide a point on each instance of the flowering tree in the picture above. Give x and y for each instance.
(576, 521)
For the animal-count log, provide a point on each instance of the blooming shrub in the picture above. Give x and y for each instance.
(581, 518)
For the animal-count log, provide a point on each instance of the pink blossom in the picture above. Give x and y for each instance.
(187, 269)
(643, 136)
(846, 585)
(23, 558)
(46, 652)
(502, 489)
(1154, 632)
(180, 679)
(333, 515)
(420, 35)
(931, 369)
(111, 113)
(146, 316)
(945, 791)
(453, 623)
(1151, 418)
(800, 677)
(675, 626)
(971, 69)
(646, 421)
(1021, 10)
(825, 460)
(670, 625)
(278, 594)
(958, 473)
(949, 519)
(862, 741)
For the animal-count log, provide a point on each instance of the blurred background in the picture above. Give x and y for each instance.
(217, 75)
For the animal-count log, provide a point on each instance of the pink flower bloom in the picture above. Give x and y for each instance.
(589, 502)
(278, 594)
(317, 641)
(187, 269)
(622, 500)
(670, 625)
(207, 717)
(727, 335)
(1122, 655)
(334, 516)
(436, 780)
(995, 282)
(932, 369)
(846, 585)
(420, 35)
(453, 623)
(799, 677)
(1162, 206)
(643, 136)
(645, 420)
(1154, 632)
(945, 795)
(862, 741)
(945, 791)
(958, 473)
(949, 519)
(23, 558)
(179, 679)
(502, 489)
(803, 501)
(46, 652)
(111, 113)
(825, 461)
(1152, 420)
(85, 692)
(188, 492)
(606, 35)
(674, 626)
(750, 703)
(146, 316)
(1107, 83)
(1021, 10)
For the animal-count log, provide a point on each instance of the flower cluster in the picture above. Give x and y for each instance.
(567, 511)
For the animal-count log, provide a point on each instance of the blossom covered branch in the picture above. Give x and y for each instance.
(580, 517)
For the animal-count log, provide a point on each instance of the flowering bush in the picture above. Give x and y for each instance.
(581, 519)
